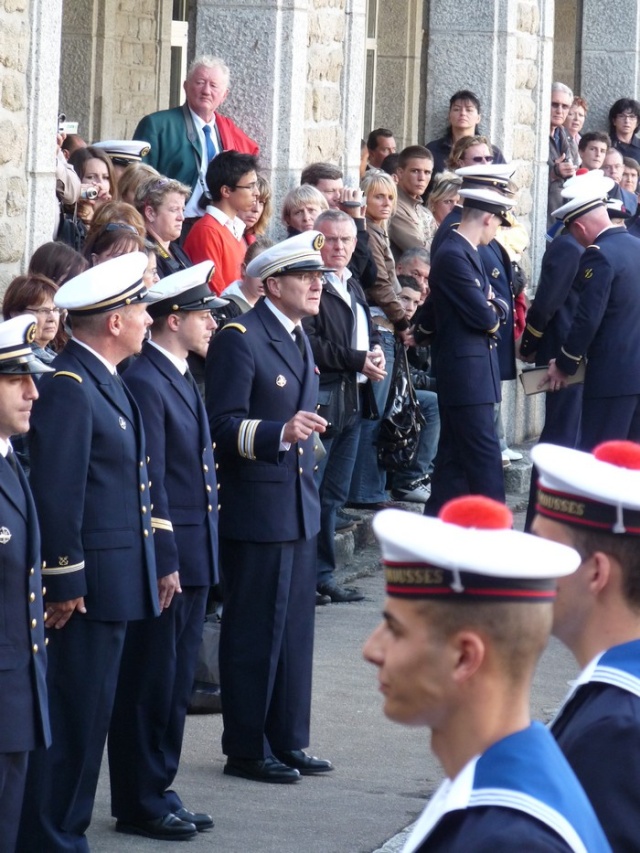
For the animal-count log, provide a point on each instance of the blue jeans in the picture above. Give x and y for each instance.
(428, 444)
(368, 483)
(333, 477)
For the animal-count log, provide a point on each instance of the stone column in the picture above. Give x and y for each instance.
(265, 44)
(608, 61)
(352, 87)
(398, 69)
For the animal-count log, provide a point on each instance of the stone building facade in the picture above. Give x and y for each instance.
(309, 79)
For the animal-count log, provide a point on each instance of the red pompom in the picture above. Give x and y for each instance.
(581, 171)
(477, 511)
(624, 454)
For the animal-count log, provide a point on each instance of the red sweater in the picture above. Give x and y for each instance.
(210, 241)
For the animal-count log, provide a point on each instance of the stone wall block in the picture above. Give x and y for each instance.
(15, 5)
(325, 63)
(10, 149)
(326, 103)
(13, 94)
(11, 240)
(525, 110)
(14, 45)
(16, 196)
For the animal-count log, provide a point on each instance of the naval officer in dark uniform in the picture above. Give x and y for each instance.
(592, 503)
(24, 718)
(605, 326)
(157, 670)
(467, 315)
(467, 615)
(90, 484)
(261, 397)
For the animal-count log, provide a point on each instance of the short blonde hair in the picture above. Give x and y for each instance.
(376, 180)
(154, 191)
(298, 197)
(445, 185)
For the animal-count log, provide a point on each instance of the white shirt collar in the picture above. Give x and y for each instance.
(5, 447)
(179, 363)
(235, 225)
(110, 367)
(286, 322)
(199, 122)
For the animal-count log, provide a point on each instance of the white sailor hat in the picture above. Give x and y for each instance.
(124, 151)
(297, 254)
(584, 180)
(616, 208)
(489, 176)
(597, 491)
(113, 284)
(186, 290)
(468, 553)
(16, 353)
(490, 201)
(584, 193)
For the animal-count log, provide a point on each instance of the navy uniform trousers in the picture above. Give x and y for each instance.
(256, 380)
(90, 485)
(24, 719)
(157, 671)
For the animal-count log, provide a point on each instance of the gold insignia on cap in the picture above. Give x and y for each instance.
(280, 381)
(30, 334)
(588, 273)
(318, 242)
(211, 275)
(145, 150)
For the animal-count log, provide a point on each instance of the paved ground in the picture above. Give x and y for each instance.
(384, 773)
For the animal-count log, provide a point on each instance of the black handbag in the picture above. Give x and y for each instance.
(402, 421)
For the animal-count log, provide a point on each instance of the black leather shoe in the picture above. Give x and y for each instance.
(267, 770)
(322, 600)
(167, 828)
(340, 594)
(305, 764)
(200, 820)
(344, 524)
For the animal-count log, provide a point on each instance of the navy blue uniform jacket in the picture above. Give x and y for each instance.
(466, 325)
(598, 731)
(607, 319)
(183, 484)
(551, 313)
(90, 484)
(256, 381)
(24, 718)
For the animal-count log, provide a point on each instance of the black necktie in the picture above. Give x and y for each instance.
(298, 337)
(11, 459)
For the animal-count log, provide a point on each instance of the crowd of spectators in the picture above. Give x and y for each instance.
(191, 190)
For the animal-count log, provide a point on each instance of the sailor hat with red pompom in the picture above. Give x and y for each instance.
(598, 490)
(470, 552)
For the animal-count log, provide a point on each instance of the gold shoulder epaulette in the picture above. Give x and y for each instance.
(68, 373)
(237, 326)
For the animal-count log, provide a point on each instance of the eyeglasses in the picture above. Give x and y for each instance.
(481, 159)
(252, 186)
(558, 106)
(627, 115)
(44, 312)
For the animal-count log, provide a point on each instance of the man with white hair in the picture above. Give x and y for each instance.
(563, 156)
(185, 139)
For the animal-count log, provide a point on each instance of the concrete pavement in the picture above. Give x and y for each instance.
(384, 772)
